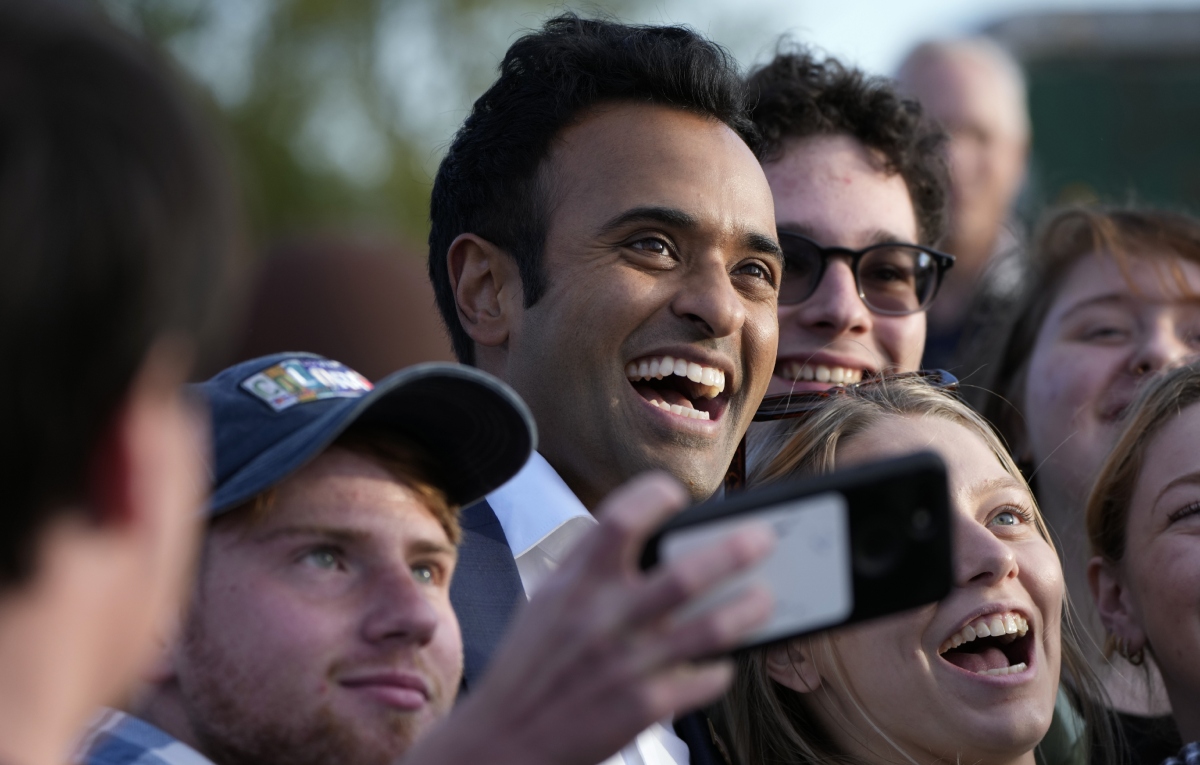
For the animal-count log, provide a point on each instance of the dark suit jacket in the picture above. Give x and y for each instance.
(486, 591)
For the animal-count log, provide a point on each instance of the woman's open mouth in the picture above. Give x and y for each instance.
(995, 644)
(679, 386)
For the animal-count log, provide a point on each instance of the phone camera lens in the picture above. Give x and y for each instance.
(921, 521)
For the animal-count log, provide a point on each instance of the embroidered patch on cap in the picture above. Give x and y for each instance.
(299, 381)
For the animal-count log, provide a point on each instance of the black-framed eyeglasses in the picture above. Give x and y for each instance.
(790, 406)
(892, 279)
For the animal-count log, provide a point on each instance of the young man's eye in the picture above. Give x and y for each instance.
(325, 558)
(424, 574)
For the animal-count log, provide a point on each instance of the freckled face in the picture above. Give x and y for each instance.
(837, 192)
(661, 245)
(937, 700)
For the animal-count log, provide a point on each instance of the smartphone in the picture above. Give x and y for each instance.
(852, 545)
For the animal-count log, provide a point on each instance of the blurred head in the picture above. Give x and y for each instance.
(932, 683)
(976, 91)
(115, 225)
(1143, 525)
(1113, 298)
(366, 303)
(603, 240)
(851, 165)
(320, 629)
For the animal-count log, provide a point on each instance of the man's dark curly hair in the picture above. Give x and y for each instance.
(491, 181)
(797, 95)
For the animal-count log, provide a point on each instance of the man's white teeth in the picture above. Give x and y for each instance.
(988, 626)
(1013, 670)
(686, 411)
(794, 370)
(665, 366)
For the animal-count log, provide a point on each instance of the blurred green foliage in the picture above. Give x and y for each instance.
(337, 110)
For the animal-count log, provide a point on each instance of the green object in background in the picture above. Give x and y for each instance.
(1118, 129)
(1115, 103)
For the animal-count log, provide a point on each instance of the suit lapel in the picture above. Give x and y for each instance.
(486, 588)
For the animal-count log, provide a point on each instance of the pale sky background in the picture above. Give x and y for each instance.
(874, 34)
(429, 96)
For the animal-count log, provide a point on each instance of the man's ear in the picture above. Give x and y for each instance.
(487, 289)
(1114, 604)
(790, 664)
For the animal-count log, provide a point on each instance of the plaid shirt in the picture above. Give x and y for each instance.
(115, 738)
(1189, 755)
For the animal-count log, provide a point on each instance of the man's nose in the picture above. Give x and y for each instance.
(398, 608)
(710, 301)
(835, 305)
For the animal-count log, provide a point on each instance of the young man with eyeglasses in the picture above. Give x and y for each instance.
(859, 182)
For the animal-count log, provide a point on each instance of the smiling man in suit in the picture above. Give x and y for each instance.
(603, 240)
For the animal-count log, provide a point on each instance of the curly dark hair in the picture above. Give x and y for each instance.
(491, 182)
(797, 95)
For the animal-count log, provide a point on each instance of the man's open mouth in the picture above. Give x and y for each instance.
(679, 386)
(995, 644)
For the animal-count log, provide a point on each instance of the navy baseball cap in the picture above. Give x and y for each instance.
(273, 414)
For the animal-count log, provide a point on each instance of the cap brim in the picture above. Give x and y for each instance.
(475, 426)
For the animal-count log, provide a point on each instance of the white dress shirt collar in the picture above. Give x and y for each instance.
(542, 520)
(533, 504)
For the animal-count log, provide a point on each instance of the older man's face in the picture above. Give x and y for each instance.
(655, 339)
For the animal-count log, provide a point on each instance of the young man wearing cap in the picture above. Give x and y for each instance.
(320, 628)
(603, 240)
(114, 224)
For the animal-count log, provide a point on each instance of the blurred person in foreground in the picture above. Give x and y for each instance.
(1113, 299)
(115, 228)
(603, 240)
(859, 185)
(320, 628)
(975, 89)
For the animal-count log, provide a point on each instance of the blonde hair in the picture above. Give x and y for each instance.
(771, 724)
(1108, 505)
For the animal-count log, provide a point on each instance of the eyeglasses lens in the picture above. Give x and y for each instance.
(894, 280)
(897, 280)
(801, 269)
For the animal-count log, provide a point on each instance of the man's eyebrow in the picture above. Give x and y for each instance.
(666, 216)
(761, 243)
(883, 236)
(877, 236)
(430, 546)
(314, 530)
(349, 536)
